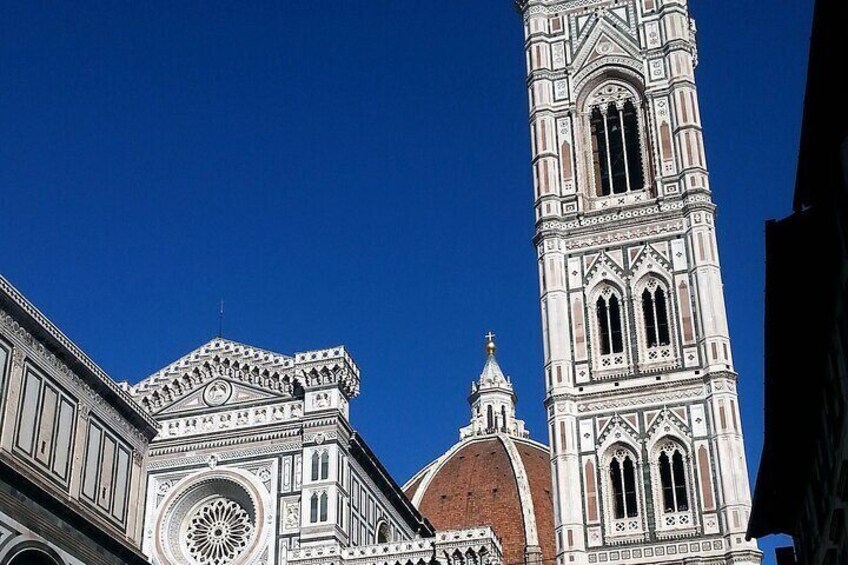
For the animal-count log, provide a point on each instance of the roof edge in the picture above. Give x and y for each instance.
(62, 346)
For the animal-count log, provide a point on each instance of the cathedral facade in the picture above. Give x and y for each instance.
(257, 462)
(647, 452)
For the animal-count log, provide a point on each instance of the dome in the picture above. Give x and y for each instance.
(496, 476)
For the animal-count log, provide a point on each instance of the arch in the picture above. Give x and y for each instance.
(628, 79)
(655, 298)
(607, 303)
(384, 534)
(316, 463)
(673, 482)
(32, 552)
(313, 508)
(324, 501)
(612, 121)
(655, 305)
(325, 465)
(234, 492)
(622, 466)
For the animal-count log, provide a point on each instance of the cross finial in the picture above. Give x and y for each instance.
(490, 343)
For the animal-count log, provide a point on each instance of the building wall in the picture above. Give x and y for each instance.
(628, 397)
(71, 463)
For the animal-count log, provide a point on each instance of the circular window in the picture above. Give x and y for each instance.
(218, 531)
(214, 519)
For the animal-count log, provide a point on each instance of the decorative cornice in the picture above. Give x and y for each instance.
(260, 368)
(95, 376)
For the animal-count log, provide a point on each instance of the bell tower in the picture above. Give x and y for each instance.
(647, 453)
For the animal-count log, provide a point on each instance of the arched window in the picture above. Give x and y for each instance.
(323, 506)
(325, 465)
(490, 419)
(313, 508)
(609, 324)
(655, 312)
(673, 479)
(503, 418)
(616, 149)
(315, 465)
(383, 533)
(623, 480)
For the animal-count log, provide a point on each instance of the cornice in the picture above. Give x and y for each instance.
(72, 357)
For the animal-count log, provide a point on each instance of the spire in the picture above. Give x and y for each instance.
(492, 400)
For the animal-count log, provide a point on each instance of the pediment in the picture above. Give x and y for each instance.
(606, 40)
(605, 268)
(252, 374)
(219, 393)
(668, 423)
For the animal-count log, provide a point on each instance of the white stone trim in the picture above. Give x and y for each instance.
(531, 536)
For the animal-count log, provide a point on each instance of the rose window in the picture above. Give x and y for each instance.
(218, 532)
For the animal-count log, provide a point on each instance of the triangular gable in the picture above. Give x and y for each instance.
(606, 39)
(650, 260)
(217, 393)
(604, 268)
(618, 430)
(250, 370)
(668, 423)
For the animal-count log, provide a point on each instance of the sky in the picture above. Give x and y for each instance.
(357, 174)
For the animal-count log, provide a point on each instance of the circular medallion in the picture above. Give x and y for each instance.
(217, 393)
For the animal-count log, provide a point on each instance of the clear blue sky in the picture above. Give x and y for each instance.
(355, 172)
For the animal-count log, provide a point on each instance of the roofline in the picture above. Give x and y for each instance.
(369, 461)
(434, 466)
(29, 316)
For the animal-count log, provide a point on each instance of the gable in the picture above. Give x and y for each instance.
(605, 38)
(219, 393)
(240, 374)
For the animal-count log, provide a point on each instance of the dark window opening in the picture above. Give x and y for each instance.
(673, 482)
(623, 478)
(655, 312)
(616, 149)
(609, 325)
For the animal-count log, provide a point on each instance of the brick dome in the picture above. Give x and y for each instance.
(494, 476)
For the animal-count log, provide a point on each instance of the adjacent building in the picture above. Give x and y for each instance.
(802, 485)
(73, 449)
(647, 451)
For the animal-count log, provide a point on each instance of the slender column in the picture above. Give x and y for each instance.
(624, 147)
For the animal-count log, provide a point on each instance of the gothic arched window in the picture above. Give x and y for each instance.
(609, 324)
(315, 465)
(616, 148)
(623, 481)
(655, 313)
(503, 418)
(673, 479)
(325, 465)
(323, 507)
(313, 508)
(490, 419)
